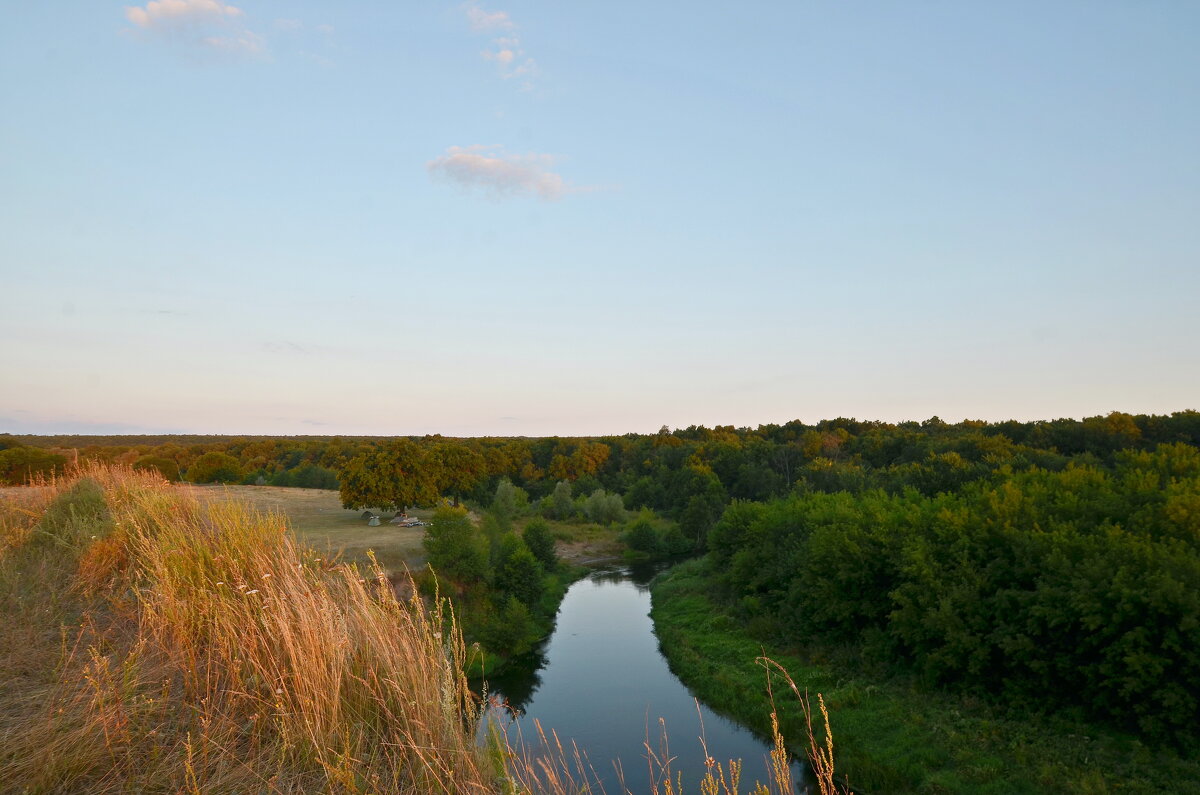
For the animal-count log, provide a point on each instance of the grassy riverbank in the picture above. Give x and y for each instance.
(890, 736)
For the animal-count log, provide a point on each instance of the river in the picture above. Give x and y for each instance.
(599, 680)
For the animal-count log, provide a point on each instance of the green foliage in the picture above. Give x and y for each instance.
(453, 547)
(19, 464)
(892, 737)
(649, 537)
(167, 467)
(388, 478)
(603, 508)
(641, 535)
(459, 469)
(699, 516)
(1079, 587)
(518, 573)
(306, 476)
(215, 467)
(540, 542)
(510, 628)
(509, 501)
(562, 504)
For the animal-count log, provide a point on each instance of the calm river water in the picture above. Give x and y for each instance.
(600, 681)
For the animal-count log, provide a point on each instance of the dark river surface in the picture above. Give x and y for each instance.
(600, 681)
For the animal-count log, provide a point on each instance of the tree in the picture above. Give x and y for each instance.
(167, 467)
(699, 516)
(641, 535)
(452, 546)
(19, 464)
(518, 573)
(215, 467)
(537, 537)
(459, 468)
(388, 478)
(509, 500)
(314, 476)
(604, 508)
(562, 504)
(511, 630)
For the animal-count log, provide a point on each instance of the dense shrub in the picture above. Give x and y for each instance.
(19, 464)
(604, 508)
(167, 467)
(214, 467)
(541, 543)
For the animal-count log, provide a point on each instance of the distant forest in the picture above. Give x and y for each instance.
(688, 474)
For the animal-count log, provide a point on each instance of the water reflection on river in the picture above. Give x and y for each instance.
(600, 681)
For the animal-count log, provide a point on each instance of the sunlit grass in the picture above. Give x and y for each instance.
(215, 654)
(161, 643)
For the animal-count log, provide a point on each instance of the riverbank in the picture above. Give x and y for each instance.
(889, 736)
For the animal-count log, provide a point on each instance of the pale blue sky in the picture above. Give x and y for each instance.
(565, 218)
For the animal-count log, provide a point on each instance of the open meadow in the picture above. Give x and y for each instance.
(320, 521)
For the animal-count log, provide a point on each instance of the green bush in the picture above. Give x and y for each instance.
(214, 467)
(541, 543)
(167, 467)
(19, 464)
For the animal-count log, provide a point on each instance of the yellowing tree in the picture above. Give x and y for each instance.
(389, 478)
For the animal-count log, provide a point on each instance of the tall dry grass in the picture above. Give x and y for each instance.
(204, 650)
(214, 654)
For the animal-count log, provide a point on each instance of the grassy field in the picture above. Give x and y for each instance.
(892, 737)
(320, 521)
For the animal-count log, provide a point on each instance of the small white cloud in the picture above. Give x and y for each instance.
(326, 29)
(504, 57)
(512, 59)
(482, 20)
(245, 43)
(500, 175)
(159, 13)
(527, 68)
(208, 24)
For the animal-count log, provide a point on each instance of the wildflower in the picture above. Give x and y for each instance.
(265, 576)
(279, 691)
(250, 592)
(220, 583)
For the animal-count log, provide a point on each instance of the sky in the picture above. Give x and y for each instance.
(539, 217)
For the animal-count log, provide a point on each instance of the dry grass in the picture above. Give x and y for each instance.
(158, 642)
(215, 654)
